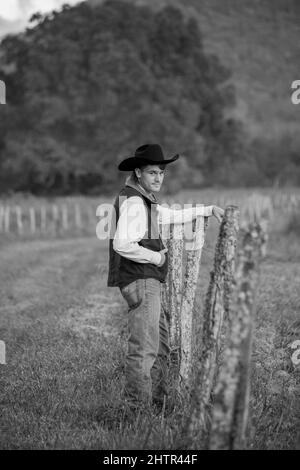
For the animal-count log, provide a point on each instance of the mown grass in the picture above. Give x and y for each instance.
(62, 387)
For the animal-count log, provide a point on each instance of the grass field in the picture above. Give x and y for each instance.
(65, 335)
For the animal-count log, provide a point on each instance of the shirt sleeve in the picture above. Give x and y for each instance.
(131, 228)
(180, 216)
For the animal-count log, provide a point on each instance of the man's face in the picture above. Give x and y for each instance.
(150, 178)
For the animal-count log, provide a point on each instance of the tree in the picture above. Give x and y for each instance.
(88, 85)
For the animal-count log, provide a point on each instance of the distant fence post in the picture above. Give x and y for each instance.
(55, 216)
(217, 303)
(231, 402)
(7, 219)
(43, 219)
(78, 220)
(2, 353)
(65, 219)
(1, 218)
(2, 92)
(19, 220)
(32, 220)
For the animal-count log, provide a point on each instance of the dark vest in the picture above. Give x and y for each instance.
(123, 271)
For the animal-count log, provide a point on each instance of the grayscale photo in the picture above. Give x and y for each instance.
(149, 228)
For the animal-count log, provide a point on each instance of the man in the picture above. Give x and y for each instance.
(138, 266)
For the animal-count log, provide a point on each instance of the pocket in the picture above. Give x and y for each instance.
(133, 293)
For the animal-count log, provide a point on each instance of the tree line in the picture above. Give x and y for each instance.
(87, 85)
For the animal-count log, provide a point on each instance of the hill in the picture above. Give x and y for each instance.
(259, 42)
(149, 80)
(210, 80)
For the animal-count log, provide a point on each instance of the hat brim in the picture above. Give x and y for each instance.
(129, 164)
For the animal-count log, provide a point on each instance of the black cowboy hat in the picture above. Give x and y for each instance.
(150, 154)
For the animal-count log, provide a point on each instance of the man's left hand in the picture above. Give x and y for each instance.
(218, 212)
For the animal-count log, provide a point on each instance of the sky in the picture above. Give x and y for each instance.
(21, 10)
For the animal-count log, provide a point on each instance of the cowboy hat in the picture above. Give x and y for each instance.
(149, 154)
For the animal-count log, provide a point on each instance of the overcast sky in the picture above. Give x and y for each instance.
(21, 10)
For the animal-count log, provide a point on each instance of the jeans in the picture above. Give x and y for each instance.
(148, 342)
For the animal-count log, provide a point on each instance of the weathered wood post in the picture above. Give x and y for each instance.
(19, 220)
(216, 304)
(7, 219)
(91, 218)
(165, 234)
(78, 220)
(64, 218)
(1, 218)
(231, 401)
(32, 220)
(55, 217)
(175, 285)
(187, 303)
(43, 210)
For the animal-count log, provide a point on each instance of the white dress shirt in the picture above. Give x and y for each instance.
(132, 226)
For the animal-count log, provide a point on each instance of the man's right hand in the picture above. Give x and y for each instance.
(218, 212)
(163, 257)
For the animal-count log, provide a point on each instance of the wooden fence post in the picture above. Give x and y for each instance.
(91, 218)
(32, 219)
(216, 304)
(7, 219)
(55, 216)
(18, 210)
(175, 283)
(43, 219)
(1, 218)
(64, 218)
(165, 304)
(187, 303)
(78, 220)
(231, 402)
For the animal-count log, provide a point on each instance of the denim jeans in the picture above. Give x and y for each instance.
(148, 342)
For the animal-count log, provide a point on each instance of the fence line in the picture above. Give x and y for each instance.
(253, 207)
(231, 397)
(218, 420)
(216, 304)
